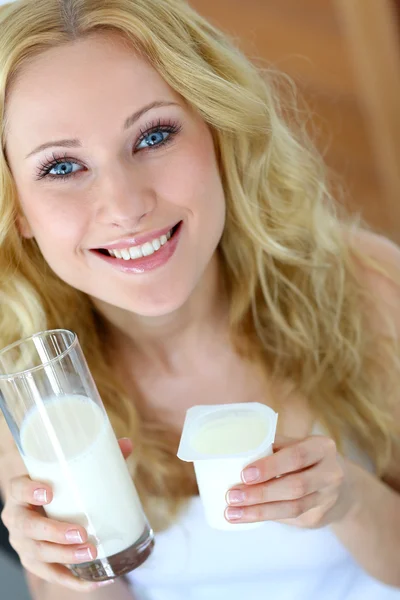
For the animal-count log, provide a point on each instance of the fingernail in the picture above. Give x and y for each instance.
(40, 496)
(236, 496)
(84, 554)
(103, 583)
(250, 474)
(73, 537)
(234, 514)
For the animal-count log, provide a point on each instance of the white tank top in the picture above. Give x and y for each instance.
(191, 561)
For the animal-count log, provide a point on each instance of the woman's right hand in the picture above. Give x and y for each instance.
(41, 542)
(44, 545)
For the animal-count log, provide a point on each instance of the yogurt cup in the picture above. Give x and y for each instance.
(221, 440)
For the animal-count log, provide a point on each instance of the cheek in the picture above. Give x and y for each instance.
(191, 180)
(55, 224)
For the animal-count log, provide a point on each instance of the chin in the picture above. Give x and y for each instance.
(155, 305)
(155, 310)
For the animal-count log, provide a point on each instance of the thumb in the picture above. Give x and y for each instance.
(126, 447)
(283, 441)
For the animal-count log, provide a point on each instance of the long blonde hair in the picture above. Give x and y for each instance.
(295, 296)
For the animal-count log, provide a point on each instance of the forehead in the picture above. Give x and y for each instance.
(99, 79)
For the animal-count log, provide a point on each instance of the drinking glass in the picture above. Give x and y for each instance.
(56, 416)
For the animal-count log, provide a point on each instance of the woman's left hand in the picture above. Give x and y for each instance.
(304, 483)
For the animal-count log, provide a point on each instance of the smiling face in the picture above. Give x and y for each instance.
(138, 175)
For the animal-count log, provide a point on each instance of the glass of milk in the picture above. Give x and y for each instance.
(221, 440)
(58, 421)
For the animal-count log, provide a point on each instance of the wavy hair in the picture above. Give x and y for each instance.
(295, 295)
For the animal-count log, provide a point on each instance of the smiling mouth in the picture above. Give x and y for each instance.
(143, 250)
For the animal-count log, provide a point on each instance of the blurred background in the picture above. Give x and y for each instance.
(344, 56)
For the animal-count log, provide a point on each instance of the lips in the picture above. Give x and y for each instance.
(137, 240)
(143, 258)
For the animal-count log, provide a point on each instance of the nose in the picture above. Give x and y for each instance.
(124, 199)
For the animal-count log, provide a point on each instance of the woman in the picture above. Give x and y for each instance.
(154, 200)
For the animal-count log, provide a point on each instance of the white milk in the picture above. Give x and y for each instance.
(230, 433)
(72, 447)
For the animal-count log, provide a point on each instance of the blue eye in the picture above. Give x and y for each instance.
(63, 169)
(155, 138)
(157, 134)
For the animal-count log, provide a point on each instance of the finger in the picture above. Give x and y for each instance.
(289, 487)
(272, 511)
(126, 447)
(292, 458)
(56, 553)
(25, 491)
(60, 575)
(23, 522)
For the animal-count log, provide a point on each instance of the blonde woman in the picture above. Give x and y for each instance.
(154, 200)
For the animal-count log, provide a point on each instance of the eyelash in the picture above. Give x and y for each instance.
(167, 126)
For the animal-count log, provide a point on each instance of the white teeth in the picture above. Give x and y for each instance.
(136, 252)
(139, 251)
(147, 249)
(156, 244)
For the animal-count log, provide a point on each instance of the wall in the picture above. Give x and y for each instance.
(308, 40)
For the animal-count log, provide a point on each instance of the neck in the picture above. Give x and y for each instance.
(172, 342)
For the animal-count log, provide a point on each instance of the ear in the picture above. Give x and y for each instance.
(23, 227)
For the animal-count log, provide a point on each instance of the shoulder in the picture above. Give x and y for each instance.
(378, 248)
(378, 268)
(377, 261)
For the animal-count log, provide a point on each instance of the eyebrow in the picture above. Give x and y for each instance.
(131, 120)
